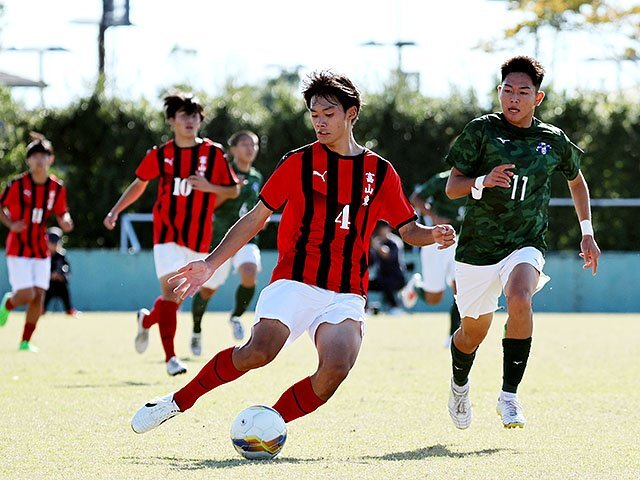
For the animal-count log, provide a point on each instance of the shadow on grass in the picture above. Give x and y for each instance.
(418, 454)
(126, 383)
(434, 451)
(200, 464)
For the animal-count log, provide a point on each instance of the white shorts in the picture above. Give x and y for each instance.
(249, 253)
(28, 272)
(169, 257)
(438, 267)
(479, 286)
(304, 307)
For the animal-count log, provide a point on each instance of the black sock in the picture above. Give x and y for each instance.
(455, 318)
(198, 307)
(243, 299)
(461, 364)
(516, 354)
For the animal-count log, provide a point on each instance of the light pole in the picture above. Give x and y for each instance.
(40, 51)
(400, 44)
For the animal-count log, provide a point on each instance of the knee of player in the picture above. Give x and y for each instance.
(433, 298)
(519, 300)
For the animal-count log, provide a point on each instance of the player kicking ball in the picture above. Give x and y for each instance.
(333, 192)
(505, 161)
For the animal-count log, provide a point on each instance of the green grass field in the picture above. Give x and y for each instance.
(67, 409)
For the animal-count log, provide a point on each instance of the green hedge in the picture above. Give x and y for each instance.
(99, 142)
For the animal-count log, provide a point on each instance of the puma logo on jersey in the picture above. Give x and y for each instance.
(503, 140)
(321, 175)
(169, 161)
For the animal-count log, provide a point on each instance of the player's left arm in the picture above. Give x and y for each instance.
(418, 235)
(224, 192)
(589, 250)
(65, 221)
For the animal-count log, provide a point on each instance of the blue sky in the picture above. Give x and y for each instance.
(206, 43)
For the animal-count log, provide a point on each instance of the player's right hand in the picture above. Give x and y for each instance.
(500, 176)
(110, 220)
(191, 277)
(17, 226)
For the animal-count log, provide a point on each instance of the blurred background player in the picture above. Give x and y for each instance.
(244, 147)
(26, 203)
(60, 273)
(193, 172)
(438, 266)
(333, 192)
(505, 162)
(387, 261)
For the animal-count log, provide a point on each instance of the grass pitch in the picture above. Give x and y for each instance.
(66, 410)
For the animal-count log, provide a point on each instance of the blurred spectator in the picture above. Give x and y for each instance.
(60, 273)
(387, 261)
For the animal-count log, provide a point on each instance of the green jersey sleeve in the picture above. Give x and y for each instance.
(570, 159)
(466, 152)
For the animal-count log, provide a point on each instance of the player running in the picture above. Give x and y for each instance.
(193, 172)
(244, 150)
(26, 204)
(505, 161)
(333, 192)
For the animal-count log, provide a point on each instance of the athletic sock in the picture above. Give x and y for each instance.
(454, 314)
(218, 371)
(243, 298)
(297, 401)
(198, 307)
(516, 354)
(461, 364)
(28, 331)
(153, 317)
(168, 323)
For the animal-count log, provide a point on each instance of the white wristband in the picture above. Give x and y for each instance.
(586, 227)
(476, 189)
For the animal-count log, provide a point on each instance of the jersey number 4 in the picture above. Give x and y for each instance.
(523, 191)
(343, 218)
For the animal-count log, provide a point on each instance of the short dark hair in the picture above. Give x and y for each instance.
(326, 83)
(237, 136)
(524, 64)
(182, 101)
(39, 144)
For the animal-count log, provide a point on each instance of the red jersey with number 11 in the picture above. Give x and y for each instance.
(181, 214)
(331, 206)
(33, 203)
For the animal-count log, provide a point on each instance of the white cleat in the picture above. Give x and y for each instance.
(460, 405)
(154, 413)
(175, 367)
(408, 293)
(196, 344)
(142, 338)
(238, 329)
(510, 410)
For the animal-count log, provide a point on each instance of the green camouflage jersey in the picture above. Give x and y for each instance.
(433, 192)
(506, 219)
(231, 210)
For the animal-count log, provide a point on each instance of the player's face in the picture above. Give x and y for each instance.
(519, 99)
(185, 125)
(330, 122)
(246, 150)
(39, 162)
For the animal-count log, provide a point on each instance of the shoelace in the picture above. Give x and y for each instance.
(512, 406)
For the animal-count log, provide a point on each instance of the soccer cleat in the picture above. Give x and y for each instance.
(4, 313)
(196, 344)
(395, 311)
(74, 313)
(26, 346)
(510, 410)
(154, 413)
(175, 367)
(142, 338)
(238, 329)
(460, 405)
(408, 294)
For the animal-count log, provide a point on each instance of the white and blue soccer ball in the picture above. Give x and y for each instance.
(258, 433)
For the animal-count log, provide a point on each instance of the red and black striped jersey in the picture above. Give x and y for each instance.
(331, 206)
(33, 203)
(181, 214)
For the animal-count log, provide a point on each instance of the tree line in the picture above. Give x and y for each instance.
(99, 142)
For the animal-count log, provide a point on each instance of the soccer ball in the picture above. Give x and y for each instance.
(258, 433)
